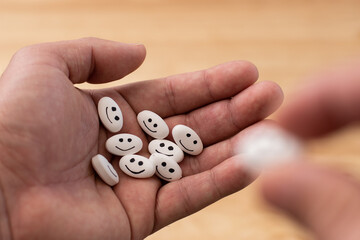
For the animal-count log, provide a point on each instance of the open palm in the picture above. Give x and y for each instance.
(49, 131)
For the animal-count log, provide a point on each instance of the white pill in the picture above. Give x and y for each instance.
(267, 147)
(153, 124)
(105, 170)
(123, 144)
(187, 139)
(137, 166)
(166, 148)
(166, 168)
(110, 114)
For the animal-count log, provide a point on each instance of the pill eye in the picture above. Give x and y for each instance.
(163, 164)
(129, 139)
(195, 142)
(171, 148)
(113, 109)
(140, 163)
(171, 170)
(188, 135)
(162, 144)
(121, 140)
(155, 125)
(149, 120)
(132, 160)
(117, 118)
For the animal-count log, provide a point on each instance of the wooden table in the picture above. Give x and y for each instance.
(287, 40)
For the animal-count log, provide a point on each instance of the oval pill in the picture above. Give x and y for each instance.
(110, 114)
(123, 144)
(166, 148)
(166, 168)
(137, 166)
(105, 170)
(153, 124)
(266, 147)
(187, 139)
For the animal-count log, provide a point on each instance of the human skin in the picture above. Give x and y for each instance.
(49, 131)
(325, 201)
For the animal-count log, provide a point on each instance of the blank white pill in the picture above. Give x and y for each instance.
(166, 168)
(110, 114)
(137, 166)
(267, 147)
(166, 148)
(187, 139)
(123, 144)
(105, 170)
(153, 124)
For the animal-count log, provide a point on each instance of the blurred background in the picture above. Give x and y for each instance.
(287, 40)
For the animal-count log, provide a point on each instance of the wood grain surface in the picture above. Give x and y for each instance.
(287, 40)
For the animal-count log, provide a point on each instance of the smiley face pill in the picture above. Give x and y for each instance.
(153, 124)
(187, 139)
(137, 166)
(166, 148)
(166, 168)
(105, 170)
(110, 114)
(123, 144)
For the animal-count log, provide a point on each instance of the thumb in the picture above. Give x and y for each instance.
(326, 202)
(90, 60)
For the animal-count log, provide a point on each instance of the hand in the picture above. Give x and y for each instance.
(49, 131)
(325, 201)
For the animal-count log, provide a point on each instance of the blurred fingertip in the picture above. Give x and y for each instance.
(248, 67)
(239, 70)
(276, 91)
(142, 49)
(283, 184)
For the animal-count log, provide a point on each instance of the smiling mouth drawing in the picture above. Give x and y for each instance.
(124, 150)
(185, 147)
(160, 173)
(115, 175)
(133, 171)
(149, 128)
(169, 155)
(107, 115)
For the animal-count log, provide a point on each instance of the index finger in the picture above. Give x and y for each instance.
(184, 92)
(90, 60)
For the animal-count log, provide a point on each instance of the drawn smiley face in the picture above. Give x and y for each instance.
(166, 148)
(166, 168)
(137, 166)
(153, 124)
(110, 114)
(123, 144)
(187, 139)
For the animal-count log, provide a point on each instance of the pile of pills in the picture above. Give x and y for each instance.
(165, 154)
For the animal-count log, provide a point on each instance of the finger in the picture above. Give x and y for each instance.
(328, 103)
(137, 196)
(182, 93)
(190, 194)
(324, 201)
(89, 59)
(221, 120)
